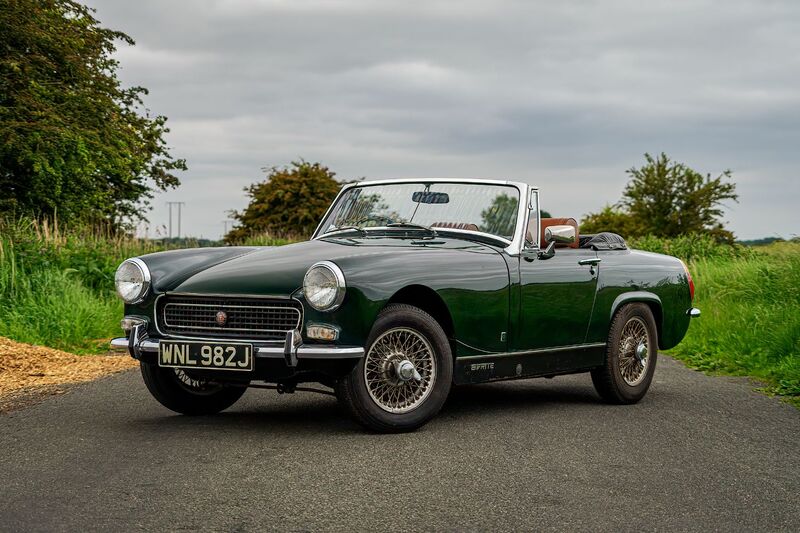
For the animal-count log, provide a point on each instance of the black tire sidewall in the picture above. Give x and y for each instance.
(163, 384)
(357, 395)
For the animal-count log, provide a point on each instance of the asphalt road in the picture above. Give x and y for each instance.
(698, 453)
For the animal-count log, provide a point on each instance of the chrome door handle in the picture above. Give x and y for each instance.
(591, 261)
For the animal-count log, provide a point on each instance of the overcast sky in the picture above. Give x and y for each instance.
(564, 95)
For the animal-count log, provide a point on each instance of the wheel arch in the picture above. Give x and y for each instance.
(429, 301)
(651, 300)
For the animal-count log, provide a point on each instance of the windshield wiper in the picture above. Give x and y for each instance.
(412, 225)
(343, 228)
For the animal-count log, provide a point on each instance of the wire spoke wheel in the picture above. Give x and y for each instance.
(634, 350)
(400, 370)
(195, 386)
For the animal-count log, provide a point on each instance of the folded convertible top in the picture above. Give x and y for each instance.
(605, 241)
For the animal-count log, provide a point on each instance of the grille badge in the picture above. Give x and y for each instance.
(221, 318)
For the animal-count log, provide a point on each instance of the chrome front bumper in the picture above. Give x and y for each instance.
(292, 350)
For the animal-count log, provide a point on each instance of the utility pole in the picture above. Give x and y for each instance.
(225, 223)
(179, 204)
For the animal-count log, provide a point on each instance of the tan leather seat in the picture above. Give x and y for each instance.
(547, 222)
(455, 225)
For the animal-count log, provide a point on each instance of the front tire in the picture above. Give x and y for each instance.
(631, 356)
(177, 391)
(405, 375)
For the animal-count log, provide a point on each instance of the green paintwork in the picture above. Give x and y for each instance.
(540, 304)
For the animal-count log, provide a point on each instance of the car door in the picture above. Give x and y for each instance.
(556, 298)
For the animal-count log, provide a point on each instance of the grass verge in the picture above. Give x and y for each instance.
(750, 323)
(57, 285)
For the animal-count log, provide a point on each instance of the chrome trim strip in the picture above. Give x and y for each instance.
(304, 351)
(534, 352)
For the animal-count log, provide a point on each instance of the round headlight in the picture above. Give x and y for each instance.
(132, 280)
(323, 286)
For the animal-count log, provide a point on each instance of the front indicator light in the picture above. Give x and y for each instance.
(322, 332)
(130, 322)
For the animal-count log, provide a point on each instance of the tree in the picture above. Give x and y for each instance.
(73, 141)
(500, 217)
(667, 199)
(611, 218)
(290, 202)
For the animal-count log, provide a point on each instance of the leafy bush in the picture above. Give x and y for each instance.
(691, 247)
(57, 287)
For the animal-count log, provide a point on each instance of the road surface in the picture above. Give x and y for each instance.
(698, 453)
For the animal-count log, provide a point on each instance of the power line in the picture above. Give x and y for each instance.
(179, 204)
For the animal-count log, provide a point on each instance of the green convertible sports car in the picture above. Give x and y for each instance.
(406, 288)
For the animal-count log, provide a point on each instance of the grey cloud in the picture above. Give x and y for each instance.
(563, 94)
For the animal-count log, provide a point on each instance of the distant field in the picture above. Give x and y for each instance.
(56, 289)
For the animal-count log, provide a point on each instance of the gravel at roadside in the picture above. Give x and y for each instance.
(28, 371)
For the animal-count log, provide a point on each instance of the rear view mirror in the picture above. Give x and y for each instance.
(563, 234)
(427, 197)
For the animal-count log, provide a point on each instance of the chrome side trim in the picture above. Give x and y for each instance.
(304, 351)
(534, 352)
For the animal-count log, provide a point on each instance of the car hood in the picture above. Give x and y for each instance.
(278, 271)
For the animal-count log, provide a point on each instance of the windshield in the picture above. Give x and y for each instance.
(487, 208)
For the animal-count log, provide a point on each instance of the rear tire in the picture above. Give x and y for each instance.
(631, 356)
(177, 391)
(377, 394)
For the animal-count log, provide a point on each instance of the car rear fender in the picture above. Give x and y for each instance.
(651, 299)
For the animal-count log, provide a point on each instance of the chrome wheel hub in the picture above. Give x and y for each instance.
(634, 349)
(400, 370)
(406, 371)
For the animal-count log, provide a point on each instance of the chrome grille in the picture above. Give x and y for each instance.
(246, 318)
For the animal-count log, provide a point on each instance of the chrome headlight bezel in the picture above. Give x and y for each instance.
(144, 282)
(337, 276)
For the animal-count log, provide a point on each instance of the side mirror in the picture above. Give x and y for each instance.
(548, 252)
(563, 234)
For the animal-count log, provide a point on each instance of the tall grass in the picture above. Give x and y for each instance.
(56, 287)
(750, 323)
(57, 284)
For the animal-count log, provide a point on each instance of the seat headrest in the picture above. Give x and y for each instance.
(547, 222)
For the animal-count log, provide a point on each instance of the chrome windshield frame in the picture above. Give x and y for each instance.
(514, 247)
